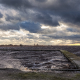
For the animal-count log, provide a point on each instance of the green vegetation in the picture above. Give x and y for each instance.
(77, 76)
(38, 76)
(72, 58)
(69, 55)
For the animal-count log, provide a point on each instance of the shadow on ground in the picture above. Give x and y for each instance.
(13, 74)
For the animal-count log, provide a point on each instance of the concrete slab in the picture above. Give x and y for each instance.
(72, 58)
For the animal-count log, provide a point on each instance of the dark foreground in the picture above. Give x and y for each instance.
(72, 49)
(13, 74)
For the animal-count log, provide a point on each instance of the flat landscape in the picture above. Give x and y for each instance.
(21, 62)
(68, 48)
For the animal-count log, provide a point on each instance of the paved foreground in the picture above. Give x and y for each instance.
(13, 74)
(72, 57)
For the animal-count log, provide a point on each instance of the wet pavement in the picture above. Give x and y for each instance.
(29, 60)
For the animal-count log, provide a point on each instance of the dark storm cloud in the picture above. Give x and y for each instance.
(41, 0)
(67, 10)
(9, 18)
(71, 17)
(71, 37)
(31, 27)
(64, 5)
(16, 3)
(44, 18)
(1, 15)
(39, 16)
(53, 4)
(9, 27)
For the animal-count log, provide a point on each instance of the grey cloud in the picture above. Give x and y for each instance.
(1, 21)
(30, 36)
(71, 17)
(45, 18)
(16, 3)
(73, 30)
(1, 15)
(40, 16)
(41, 0)
(31, 27)
(9, 18)
(67, 10)
(71, 37)
(9, 27)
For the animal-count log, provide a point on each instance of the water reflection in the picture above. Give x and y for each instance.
(30, 60)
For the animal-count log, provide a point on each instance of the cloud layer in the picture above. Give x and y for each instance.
(1, 15)
(48, 12)
(61, 17)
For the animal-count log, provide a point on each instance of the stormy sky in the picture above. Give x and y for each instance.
(44, 22)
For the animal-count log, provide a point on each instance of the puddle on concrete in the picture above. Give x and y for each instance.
(29, 60)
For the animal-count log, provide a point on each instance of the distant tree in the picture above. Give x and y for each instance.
(10, 44)
(21, 45)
